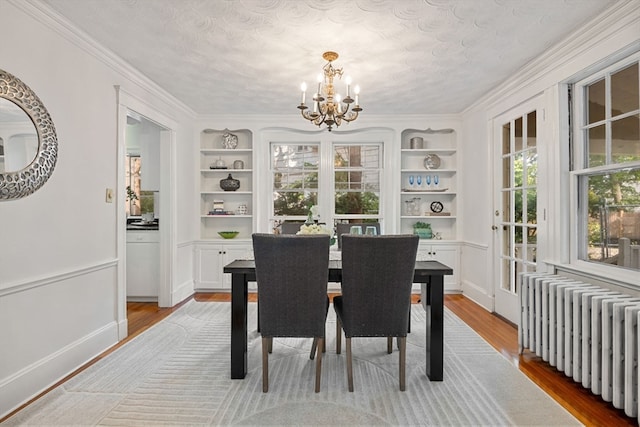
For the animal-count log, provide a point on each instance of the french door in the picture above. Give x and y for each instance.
(516, 142)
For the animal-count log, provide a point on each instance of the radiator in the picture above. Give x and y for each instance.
(588, 332)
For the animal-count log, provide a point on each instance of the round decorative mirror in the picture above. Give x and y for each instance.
(28, 142)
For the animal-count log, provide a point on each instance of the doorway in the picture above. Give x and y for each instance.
(516, 143)
(142, 206)
(129, 105)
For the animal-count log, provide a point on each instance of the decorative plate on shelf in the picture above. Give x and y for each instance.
(436, 207)
(431, 161)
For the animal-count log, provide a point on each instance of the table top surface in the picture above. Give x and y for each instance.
(426, 267)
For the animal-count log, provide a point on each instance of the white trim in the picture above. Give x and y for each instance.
(16, 287)
(481, 246)
(56, 22)
(18, 387)
(603, 28)
(168, 209)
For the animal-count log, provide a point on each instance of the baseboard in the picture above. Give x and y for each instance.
(36, 378)
(182, 292)
(477, 294)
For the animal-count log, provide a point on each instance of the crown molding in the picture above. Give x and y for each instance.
(625, 14)
(56, 22)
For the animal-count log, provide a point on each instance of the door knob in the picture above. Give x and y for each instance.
(494, 227)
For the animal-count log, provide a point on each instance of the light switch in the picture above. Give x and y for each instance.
(109, 195)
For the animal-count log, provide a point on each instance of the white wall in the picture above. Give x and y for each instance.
(614, 33)
(60, 303)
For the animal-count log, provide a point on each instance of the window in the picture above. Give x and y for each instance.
(138, 201)
(357, 181)
(607, 166)
(294, 170)
(346, 190)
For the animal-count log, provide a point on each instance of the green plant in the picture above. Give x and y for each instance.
(421, 224)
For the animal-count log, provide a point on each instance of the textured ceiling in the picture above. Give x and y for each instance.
(250, 56)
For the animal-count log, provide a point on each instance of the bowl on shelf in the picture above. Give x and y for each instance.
(228, 234)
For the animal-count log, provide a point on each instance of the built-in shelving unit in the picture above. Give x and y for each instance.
(222, 210)
(425, 186)
(428, 193)
(234, 216)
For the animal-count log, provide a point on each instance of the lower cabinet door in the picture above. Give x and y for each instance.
(210, 260)
(208, 265)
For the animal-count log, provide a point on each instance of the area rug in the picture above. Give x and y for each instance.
(177, 374)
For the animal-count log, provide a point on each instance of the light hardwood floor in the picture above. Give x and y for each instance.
(589, 409)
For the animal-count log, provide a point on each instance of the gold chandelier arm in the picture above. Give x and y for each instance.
(351, 117)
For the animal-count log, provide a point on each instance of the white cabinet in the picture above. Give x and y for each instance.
(226, 210)
(429, 182)
(143, 265)
(446, 253)
(210, 259)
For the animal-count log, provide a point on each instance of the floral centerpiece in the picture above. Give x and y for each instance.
(314, 229)
(311, 226)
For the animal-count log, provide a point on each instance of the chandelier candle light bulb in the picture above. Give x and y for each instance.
(303, 87)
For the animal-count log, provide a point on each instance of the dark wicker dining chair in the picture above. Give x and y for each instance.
(377, 276)
(290, 227)
(292, 273)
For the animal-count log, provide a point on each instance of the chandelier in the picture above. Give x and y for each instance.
(328, 107)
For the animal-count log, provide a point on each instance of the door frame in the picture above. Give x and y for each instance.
(505, 303)
(127, 102)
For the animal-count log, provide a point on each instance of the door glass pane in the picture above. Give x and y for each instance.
(506, 206)
(532, 168)
(506, 172)
(596, 146)
(517, 170)
(506, 241)
(506, 138)
(625, 139)
(518, 135)
(624, 91)
(531, 212)
(518, 206)
(506, 275)
(531, 129)
(595, 95)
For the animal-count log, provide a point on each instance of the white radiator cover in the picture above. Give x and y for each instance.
(587, 331)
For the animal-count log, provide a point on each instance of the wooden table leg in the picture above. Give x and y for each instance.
(433, 293)
(239, 294)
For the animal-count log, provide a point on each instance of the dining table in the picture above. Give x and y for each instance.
(430, 274)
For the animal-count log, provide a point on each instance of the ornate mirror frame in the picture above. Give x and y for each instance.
(14, 185)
